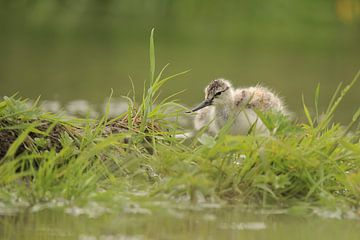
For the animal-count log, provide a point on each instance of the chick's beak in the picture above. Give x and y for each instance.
(205, 103)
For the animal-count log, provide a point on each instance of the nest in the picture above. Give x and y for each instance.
(8, 136)
(53, 132)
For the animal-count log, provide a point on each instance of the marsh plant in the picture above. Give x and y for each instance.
(47, 156)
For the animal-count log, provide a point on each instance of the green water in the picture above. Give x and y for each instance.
(208, 223)
(67, 51)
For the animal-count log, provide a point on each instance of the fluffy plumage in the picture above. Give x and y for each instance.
(223, 103)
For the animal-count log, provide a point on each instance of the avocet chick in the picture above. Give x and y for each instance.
(223, 103)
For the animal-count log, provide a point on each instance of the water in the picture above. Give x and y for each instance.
(83, 50)
(218, 223)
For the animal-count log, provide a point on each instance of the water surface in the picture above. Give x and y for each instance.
(68, 51)
(170, 223)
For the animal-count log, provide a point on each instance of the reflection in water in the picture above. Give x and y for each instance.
(243, 226)
(111, 237)
(213, 223)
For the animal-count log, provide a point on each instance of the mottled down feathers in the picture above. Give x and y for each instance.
(241, 103)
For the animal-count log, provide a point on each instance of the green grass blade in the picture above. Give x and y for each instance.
(19, 140)
(307, 113)
(317, 96)
(152, 57)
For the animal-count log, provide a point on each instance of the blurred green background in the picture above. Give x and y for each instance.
(66, 50)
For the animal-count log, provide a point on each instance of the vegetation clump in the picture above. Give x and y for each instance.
(46, 156)
(27, 128)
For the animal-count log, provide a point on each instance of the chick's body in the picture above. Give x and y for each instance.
(223, 103)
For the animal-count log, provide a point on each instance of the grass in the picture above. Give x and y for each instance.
(46, 156)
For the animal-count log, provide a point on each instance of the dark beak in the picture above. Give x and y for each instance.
(205, 103)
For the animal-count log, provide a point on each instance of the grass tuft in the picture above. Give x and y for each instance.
(46, 156)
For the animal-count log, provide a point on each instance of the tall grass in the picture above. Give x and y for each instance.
(47, 156)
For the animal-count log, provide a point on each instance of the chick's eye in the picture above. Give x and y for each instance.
(217, 94)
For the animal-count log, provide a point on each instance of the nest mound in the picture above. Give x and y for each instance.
(49, 131)
(7, 138)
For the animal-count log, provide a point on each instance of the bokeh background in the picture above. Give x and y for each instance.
(80, 49)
